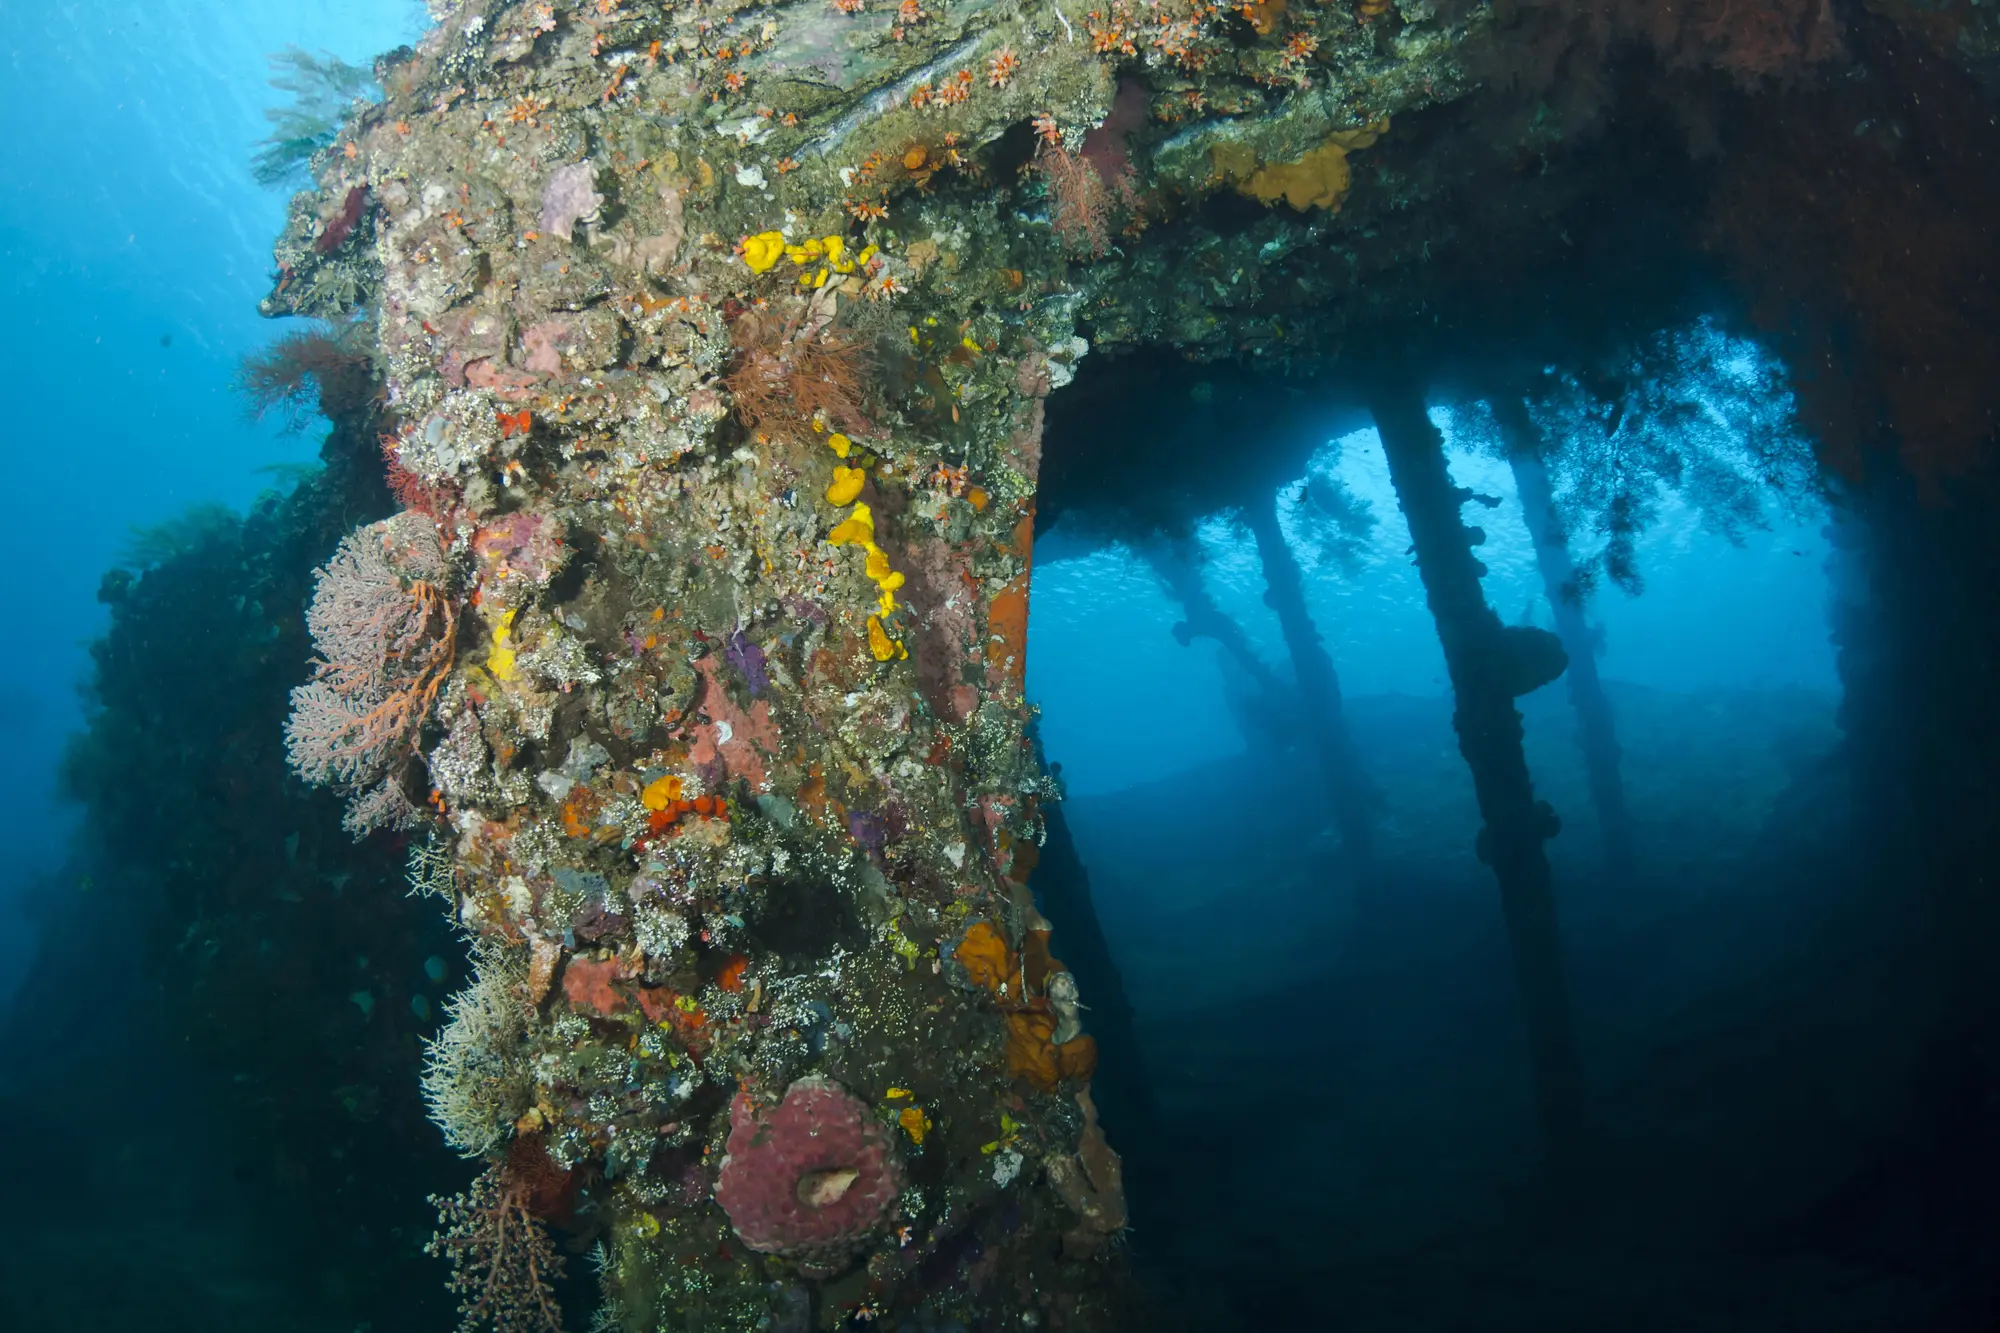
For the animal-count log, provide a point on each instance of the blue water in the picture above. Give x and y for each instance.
(134, 247)
(1717, 614)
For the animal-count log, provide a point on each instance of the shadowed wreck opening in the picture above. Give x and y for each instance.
(793, 413)
(1635, 323)
(1335, 916)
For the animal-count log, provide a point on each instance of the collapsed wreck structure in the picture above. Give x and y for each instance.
(715, 343)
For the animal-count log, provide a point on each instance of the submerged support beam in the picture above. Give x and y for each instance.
(1319, 685)
(1263, 700)
(1178, 563)
(1597, 731)
(1490, 665)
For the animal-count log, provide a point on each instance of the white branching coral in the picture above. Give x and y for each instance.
(432, 869)
(475, 1082)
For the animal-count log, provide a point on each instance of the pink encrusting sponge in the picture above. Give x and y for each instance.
(810, 1178)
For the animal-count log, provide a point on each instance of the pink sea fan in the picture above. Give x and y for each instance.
(570, 197)
(1088, 187)
(385, 631)
(811, 1178)
(383, 806)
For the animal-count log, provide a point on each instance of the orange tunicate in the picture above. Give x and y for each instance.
(731, 976)
(1030, 1054)
(1033, 1055)
(985, 956)
(1077, 1059)
(914, 157)
(702, 805)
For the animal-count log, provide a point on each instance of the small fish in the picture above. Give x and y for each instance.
(515, 423)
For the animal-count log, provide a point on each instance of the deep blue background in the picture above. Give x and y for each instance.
(134, 247)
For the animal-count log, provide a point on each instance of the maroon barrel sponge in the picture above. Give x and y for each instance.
(811, 1177)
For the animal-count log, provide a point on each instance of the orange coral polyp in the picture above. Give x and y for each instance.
(708, 807)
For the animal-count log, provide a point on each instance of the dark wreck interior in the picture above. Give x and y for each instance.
(1816, 1152)
(1647, 236)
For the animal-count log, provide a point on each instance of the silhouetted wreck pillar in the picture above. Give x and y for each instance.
(1490, 666)
(1598, 732)
(1319, 685)
(1178, 563)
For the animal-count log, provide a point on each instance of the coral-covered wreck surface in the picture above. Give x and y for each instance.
(716, 342)
(694, 658)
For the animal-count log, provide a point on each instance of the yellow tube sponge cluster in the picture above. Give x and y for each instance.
(831, 249)
(762, 250)
(500, 657)
(846, 488)
(858, 529)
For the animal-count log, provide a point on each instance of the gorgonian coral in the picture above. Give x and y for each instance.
(325, 366)
(503, 1261)
(799, 369)
(385, 629)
